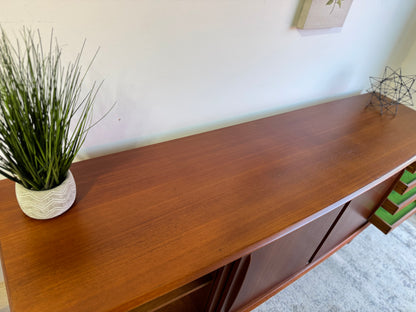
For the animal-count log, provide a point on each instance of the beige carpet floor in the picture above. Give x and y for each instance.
(374, 273)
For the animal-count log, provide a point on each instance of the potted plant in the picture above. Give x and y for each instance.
(44, 120)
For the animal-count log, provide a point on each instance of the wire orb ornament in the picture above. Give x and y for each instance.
(392, 89)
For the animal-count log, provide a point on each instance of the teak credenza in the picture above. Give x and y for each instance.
(217, 221)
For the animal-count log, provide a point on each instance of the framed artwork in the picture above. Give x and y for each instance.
(323, 13)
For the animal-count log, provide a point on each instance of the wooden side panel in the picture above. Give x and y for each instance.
(412, 168)
(273, 264)
(356, 215)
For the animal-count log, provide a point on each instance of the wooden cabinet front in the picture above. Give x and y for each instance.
(355, 215)
(149, 221)
(265, 269)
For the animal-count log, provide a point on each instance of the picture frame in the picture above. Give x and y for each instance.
(316, 14)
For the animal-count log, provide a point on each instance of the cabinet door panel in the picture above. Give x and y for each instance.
(273, 264)
(356, 215)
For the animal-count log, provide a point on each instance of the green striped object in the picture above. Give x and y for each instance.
(408, 177)
(395, 197)
(391, 219)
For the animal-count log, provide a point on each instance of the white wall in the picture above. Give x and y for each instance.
(409, 63)
(177, 67)
(408, 46)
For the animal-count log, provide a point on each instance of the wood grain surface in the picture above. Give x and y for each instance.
(150, 220)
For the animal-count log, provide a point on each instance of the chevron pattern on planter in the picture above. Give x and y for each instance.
(47, 204)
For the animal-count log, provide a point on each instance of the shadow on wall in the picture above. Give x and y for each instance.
(403, 46)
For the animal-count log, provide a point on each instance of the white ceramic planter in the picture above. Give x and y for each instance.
(47, 204)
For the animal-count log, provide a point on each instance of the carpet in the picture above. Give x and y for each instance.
(375, 272)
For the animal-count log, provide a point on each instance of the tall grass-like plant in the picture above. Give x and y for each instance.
(44, 115)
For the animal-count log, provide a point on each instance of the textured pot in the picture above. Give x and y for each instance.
(47, 204)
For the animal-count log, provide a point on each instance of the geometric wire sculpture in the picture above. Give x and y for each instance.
(390, 90)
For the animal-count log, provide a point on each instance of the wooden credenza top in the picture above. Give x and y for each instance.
(152, 219)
